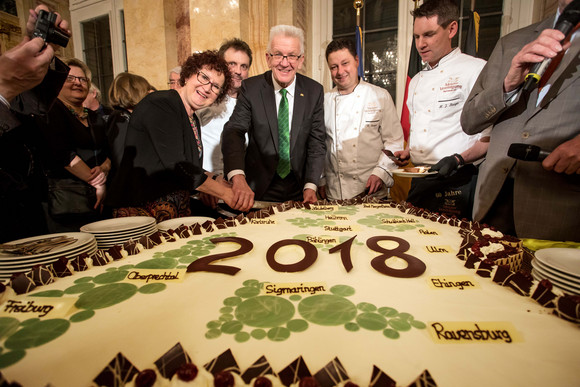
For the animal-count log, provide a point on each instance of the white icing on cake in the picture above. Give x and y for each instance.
(145, 325)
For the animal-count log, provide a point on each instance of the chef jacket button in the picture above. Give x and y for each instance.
(525, 134)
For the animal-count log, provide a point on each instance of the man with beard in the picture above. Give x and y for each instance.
(238, 55)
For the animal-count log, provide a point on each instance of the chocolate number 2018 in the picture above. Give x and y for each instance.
(415, 267)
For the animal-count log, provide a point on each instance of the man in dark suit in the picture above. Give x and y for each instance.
(528, 198)
(283, 115)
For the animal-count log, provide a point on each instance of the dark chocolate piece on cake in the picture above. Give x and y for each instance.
(207, 226)
(41, 275)
(100, 258)
(380, 379)
(543, 294)
(485, 268)
(294, 372)
(183, 231)
(332, 374)
(230, 222)
(568, 307)
(118, 372)
(168, 235)
(21, 283)
(224, 362)
(169, 363)
(61, 268)
(145, 241)
(155, 238)
(195, 229)
(260, 367)
(521, 283)
(79, 263)
(424, 380)
(131, 247)
(116, 252)
(220, 224)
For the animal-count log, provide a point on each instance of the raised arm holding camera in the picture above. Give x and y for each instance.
(29, 83)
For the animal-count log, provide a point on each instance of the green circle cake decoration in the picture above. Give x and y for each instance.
(79, 288)
(327, 309)
(371, 321)
(265, 311)
(35, 335)
(297, 325)
(152, 288)
(110, 277)
(82, 316)
(106, 296)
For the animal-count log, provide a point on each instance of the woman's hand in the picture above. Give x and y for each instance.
(97, 177)
(101, 193)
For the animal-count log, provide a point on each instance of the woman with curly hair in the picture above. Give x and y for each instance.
(162, 159)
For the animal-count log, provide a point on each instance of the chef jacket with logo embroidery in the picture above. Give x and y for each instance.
(359, 126)
(435, 100)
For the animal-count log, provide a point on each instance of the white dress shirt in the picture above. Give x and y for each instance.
(212, 121)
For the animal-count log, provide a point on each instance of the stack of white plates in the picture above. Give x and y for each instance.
(172, 224)
(561, 266)
(117, 231)
(12, 263)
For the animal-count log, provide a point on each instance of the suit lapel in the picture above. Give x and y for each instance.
(299, 106)
(270, 106)
(564, 75)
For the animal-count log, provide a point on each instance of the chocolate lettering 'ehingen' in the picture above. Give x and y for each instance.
(415, 267)
(310, 255)
(203, 264)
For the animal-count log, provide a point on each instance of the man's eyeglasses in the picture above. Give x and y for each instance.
(291, 58)
(71, 79)
(204, 80)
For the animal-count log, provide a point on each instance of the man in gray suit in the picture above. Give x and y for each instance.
(528, 198)
(282, 113)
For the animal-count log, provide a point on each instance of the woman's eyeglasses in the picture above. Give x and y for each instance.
(72, 78)
(204, 80)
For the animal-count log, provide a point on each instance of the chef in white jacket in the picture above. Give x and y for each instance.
(361, 121)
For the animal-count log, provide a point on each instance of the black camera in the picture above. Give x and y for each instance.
(47, 30)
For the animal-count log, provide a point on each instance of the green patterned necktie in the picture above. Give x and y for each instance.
(283, 137)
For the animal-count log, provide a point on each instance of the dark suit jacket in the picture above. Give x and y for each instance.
(256, 115)
(22, 181)
(160, 155)
(546, 204)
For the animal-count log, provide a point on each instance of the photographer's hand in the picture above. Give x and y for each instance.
(33, 17)
(23, 67)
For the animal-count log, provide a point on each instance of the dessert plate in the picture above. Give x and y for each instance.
(538, 276)
(555, 273)
(564, 260)
(82, 240)
(172, 224)
(557, 278)
(113, 225)
(414, 172)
